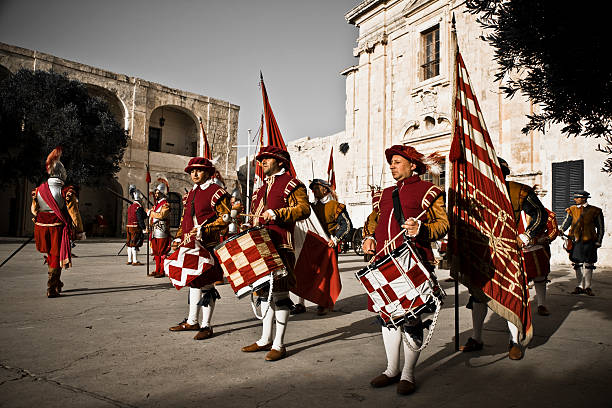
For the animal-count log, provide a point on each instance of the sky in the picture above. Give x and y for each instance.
(212, 48)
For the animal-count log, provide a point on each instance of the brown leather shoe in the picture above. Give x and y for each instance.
(184, 326)
(321, 311)
(543, 311)
(137, 263)
(274, 355)
(515, 352)
(577, 291)
(382, 380)
(52, 293)
(589, 292)
(405, 387)
(255, 347)
(128, 263)
(204, 333)
(161, 275)
(471, 345)
(298, 309)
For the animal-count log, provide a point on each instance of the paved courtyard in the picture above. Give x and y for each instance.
(105, 342)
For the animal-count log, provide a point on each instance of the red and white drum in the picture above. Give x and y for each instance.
(249, 260)
(400, 286)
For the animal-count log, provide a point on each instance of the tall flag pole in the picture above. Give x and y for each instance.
(485, 255)
(207, 152)
(259, 174)
(148, 180)
(274, 135)
(331, 174)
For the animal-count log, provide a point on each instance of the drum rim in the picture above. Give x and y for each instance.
(234, 237)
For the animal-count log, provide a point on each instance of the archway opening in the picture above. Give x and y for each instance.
(173, 130)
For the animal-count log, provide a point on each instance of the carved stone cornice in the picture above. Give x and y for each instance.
(369, 43)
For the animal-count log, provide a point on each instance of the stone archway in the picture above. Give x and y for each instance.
(98, 206)
(173, 129)
(115, 104)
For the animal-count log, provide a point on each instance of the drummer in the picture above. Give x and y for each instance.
(204, 205)
(416, 197)
(278, 205)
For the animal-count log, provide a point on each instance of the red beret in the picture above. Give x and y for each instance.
(275, 153)
(199, 163)
(409, 153)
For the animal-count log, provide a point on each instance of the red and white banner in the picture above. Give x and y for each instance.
(482, 239)
(187, 263)
(316, 267)
(207, 154)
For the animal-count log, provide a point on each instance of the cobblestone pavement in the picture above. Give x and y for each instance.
(105, 342)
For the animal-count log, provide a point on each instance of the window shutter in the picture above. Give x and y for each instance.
(567, 178)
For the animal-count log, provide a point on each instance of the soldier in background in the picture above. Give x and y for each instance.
(586, 224)
(57, 220)
(136, 226)
(159, 226)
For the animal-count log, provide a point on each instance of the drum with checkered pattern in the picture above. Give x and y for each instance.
(400, 286)
(249, 260)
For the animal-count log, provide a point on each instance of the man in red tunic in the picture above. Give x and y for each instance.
(57, 221)
(159, 226)
(425, 221)
(206, 211)
(136, 226)
(278, 205)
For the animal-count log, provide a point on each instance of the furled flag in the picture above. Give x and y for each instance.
(274, 135)
(485, 253)
(259, 174)
(331, 174)
(207, 151)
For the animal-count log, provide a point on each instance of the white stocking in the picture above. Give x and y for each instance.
(410, 358)
(266, 334)
(207, 311)
(392, 339)
(129, 253)
(513, 332)
(540, 288)
(195, 295)
(587, 276)
(479, 312)
(134, 255)
(282, 317)
(579, 277)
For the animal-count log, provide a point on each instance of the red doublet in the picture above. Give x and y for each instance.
(201, 203)
(536, 258)
(416, 196)
(275, 197)
(48, 230)
(132, 220)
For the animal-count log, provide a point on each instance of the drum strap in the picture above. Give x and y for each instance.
(397, 208)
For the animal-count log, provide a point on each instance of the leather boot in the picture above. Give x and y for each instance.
(52, 282)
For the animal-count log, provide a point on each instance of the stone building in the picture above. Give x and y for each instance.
(164, 131)
(400, 92)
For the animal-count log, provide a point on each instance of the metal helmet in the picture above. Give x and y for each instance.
(236, 194)
(163, 187)
(135, 193)
(55, 168)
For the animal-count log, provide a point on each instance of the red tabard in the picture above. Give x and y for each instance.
(415, 197)
(280, 190)
(48, 238)
(132, 220)
(204, 202)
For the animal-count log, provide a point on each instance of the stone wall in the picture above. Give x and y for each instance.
(138, 105)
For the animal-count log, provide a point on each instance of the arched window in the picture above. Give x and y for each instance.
(176, 209)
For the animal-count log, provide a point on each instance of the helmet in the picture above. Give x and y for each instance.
(163, 187)
(55, 168)
(135, 193)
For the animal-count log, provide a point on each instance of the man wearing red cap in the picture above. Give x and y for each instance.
(57, 220)
(278, 205)
(422, 208)
(204, 208)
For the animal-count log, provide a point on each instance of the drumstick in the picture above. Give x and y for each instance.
(251, 215)
(395, 237)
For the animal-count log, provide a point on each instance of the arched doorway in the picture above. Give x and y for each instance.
(115, 104)
(174, 130)
(101, 211)
(4, 73)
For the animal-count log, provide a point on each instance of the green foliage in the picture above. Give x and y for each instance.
(556, 54)
(42, 110)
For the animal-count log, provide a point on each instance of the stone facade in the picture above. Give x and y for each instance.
(388, 102)
(138, 105)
